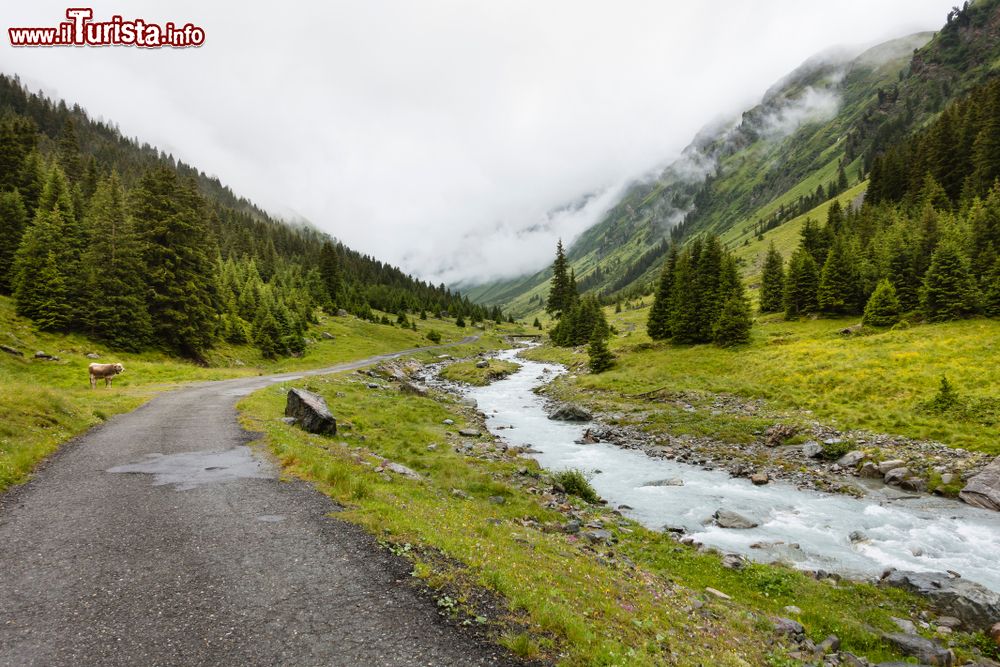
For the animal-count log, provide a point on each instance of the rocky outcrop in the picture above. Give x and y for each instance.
(570, 413)
(10, 350)
(983, 490)
(976, 606)
(310, 412)
(924, 650)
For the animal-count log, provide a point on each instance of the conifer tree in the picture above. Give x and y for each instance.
(51, 311)
(537, 324)
(329, 269)
(39, 282)
(882, 309)
(460, 322)
(13, 220)
(658, 323)
(179, 247)
(802, 285)
(839, 280)
(949, 290)
(684, 302)
(733, 324)
(600, 357)
(114, 274)
(267, 335)
(772, 284)
(559, 300)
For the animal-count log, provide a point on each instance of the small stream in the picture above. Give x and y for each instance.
(808, 529)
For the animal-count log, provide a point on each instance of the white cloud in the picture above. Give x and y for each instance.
(439, 134)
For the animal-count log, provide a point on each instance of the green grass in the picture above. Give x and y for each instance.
(43, 403)
(467, 372)
(877, 382)
(566, 601)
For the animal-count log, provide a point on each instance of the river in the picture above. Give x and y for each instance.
(808, 529)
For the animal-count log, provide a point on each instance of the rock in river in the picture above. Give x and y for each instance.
(310, 411)
(975, 605)
(570, 413)
(730, 519)
(983, 490)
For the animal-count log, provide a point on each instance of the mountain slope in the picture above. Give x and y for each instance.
(812, 137)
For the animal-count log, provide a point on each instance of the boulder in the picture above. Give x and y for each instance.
(310, 412)
(45, 356)
(759, 478)
(92, 355)
(10, 350)
(975, 605)
(777, 434)
(812, 449)
(341, 312)
(730, 519)
(995, 633)
(851, 459)
(870, 470)
(400, 469)
(983, 490)
(886, 466)
(587, 439)
(896, 475)
(469, 433)
(598, 536)
(327, 335)
(788, 627)
(924, 650)
(482, 364)
(570, 413)
(853, 329)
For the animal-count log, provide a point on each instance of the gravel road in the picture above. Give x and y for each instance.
(160, 538)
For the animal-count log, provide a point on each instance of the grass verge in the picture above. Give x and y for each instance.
(637, 599)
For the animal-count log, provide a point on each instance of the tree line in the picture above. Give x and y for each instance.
(125, 244)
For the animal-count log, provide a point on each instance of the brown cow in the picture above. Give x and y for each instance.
(106, 371)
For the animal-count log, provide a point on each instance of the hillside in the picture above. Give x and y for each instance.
(813, 137)
(112, 238)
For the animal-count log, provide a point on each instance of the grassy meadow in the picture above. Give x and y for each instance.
(45, 403)
(806, 370)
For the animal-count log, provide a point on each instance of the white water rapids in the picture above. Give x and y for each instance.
(808, 529)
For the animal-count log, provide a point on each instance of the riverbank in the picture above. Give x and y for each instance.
(575, 583)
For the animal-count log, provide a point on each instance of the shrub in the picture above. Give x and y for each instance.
(574, 483)
(434, 336)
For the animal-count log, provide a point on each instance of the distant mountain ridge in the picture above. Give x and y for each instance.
(812, 137)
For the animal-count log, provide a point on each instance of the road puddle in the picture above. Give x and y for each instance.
(193, 469)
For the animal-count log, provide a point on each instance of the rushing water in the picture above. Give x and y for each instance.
(808, 529)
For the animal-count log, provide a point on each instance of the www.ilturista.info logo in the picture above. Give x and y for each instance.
(80, 30)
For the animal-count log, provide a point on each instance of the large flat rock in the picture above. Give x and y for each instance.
(983, 490)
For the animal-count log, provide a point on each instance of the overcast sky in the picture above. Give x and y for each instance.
(438, 135)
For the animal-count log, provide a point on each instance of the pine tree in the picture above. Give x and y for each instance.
(39, 282)
(267, 335)
(559, 300)
(949, 290)
(13, 220)
(51, 312)
(839, 280)
(710, 272)
(882, 309)
(329, 269)
(772, 284)
(733, 324)
(114, 274)
(536, 324)
(801, 285)
(180, 273)
(684, 302)
(991, 290)
(658, 323)
(600, 357)
(460, 322)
